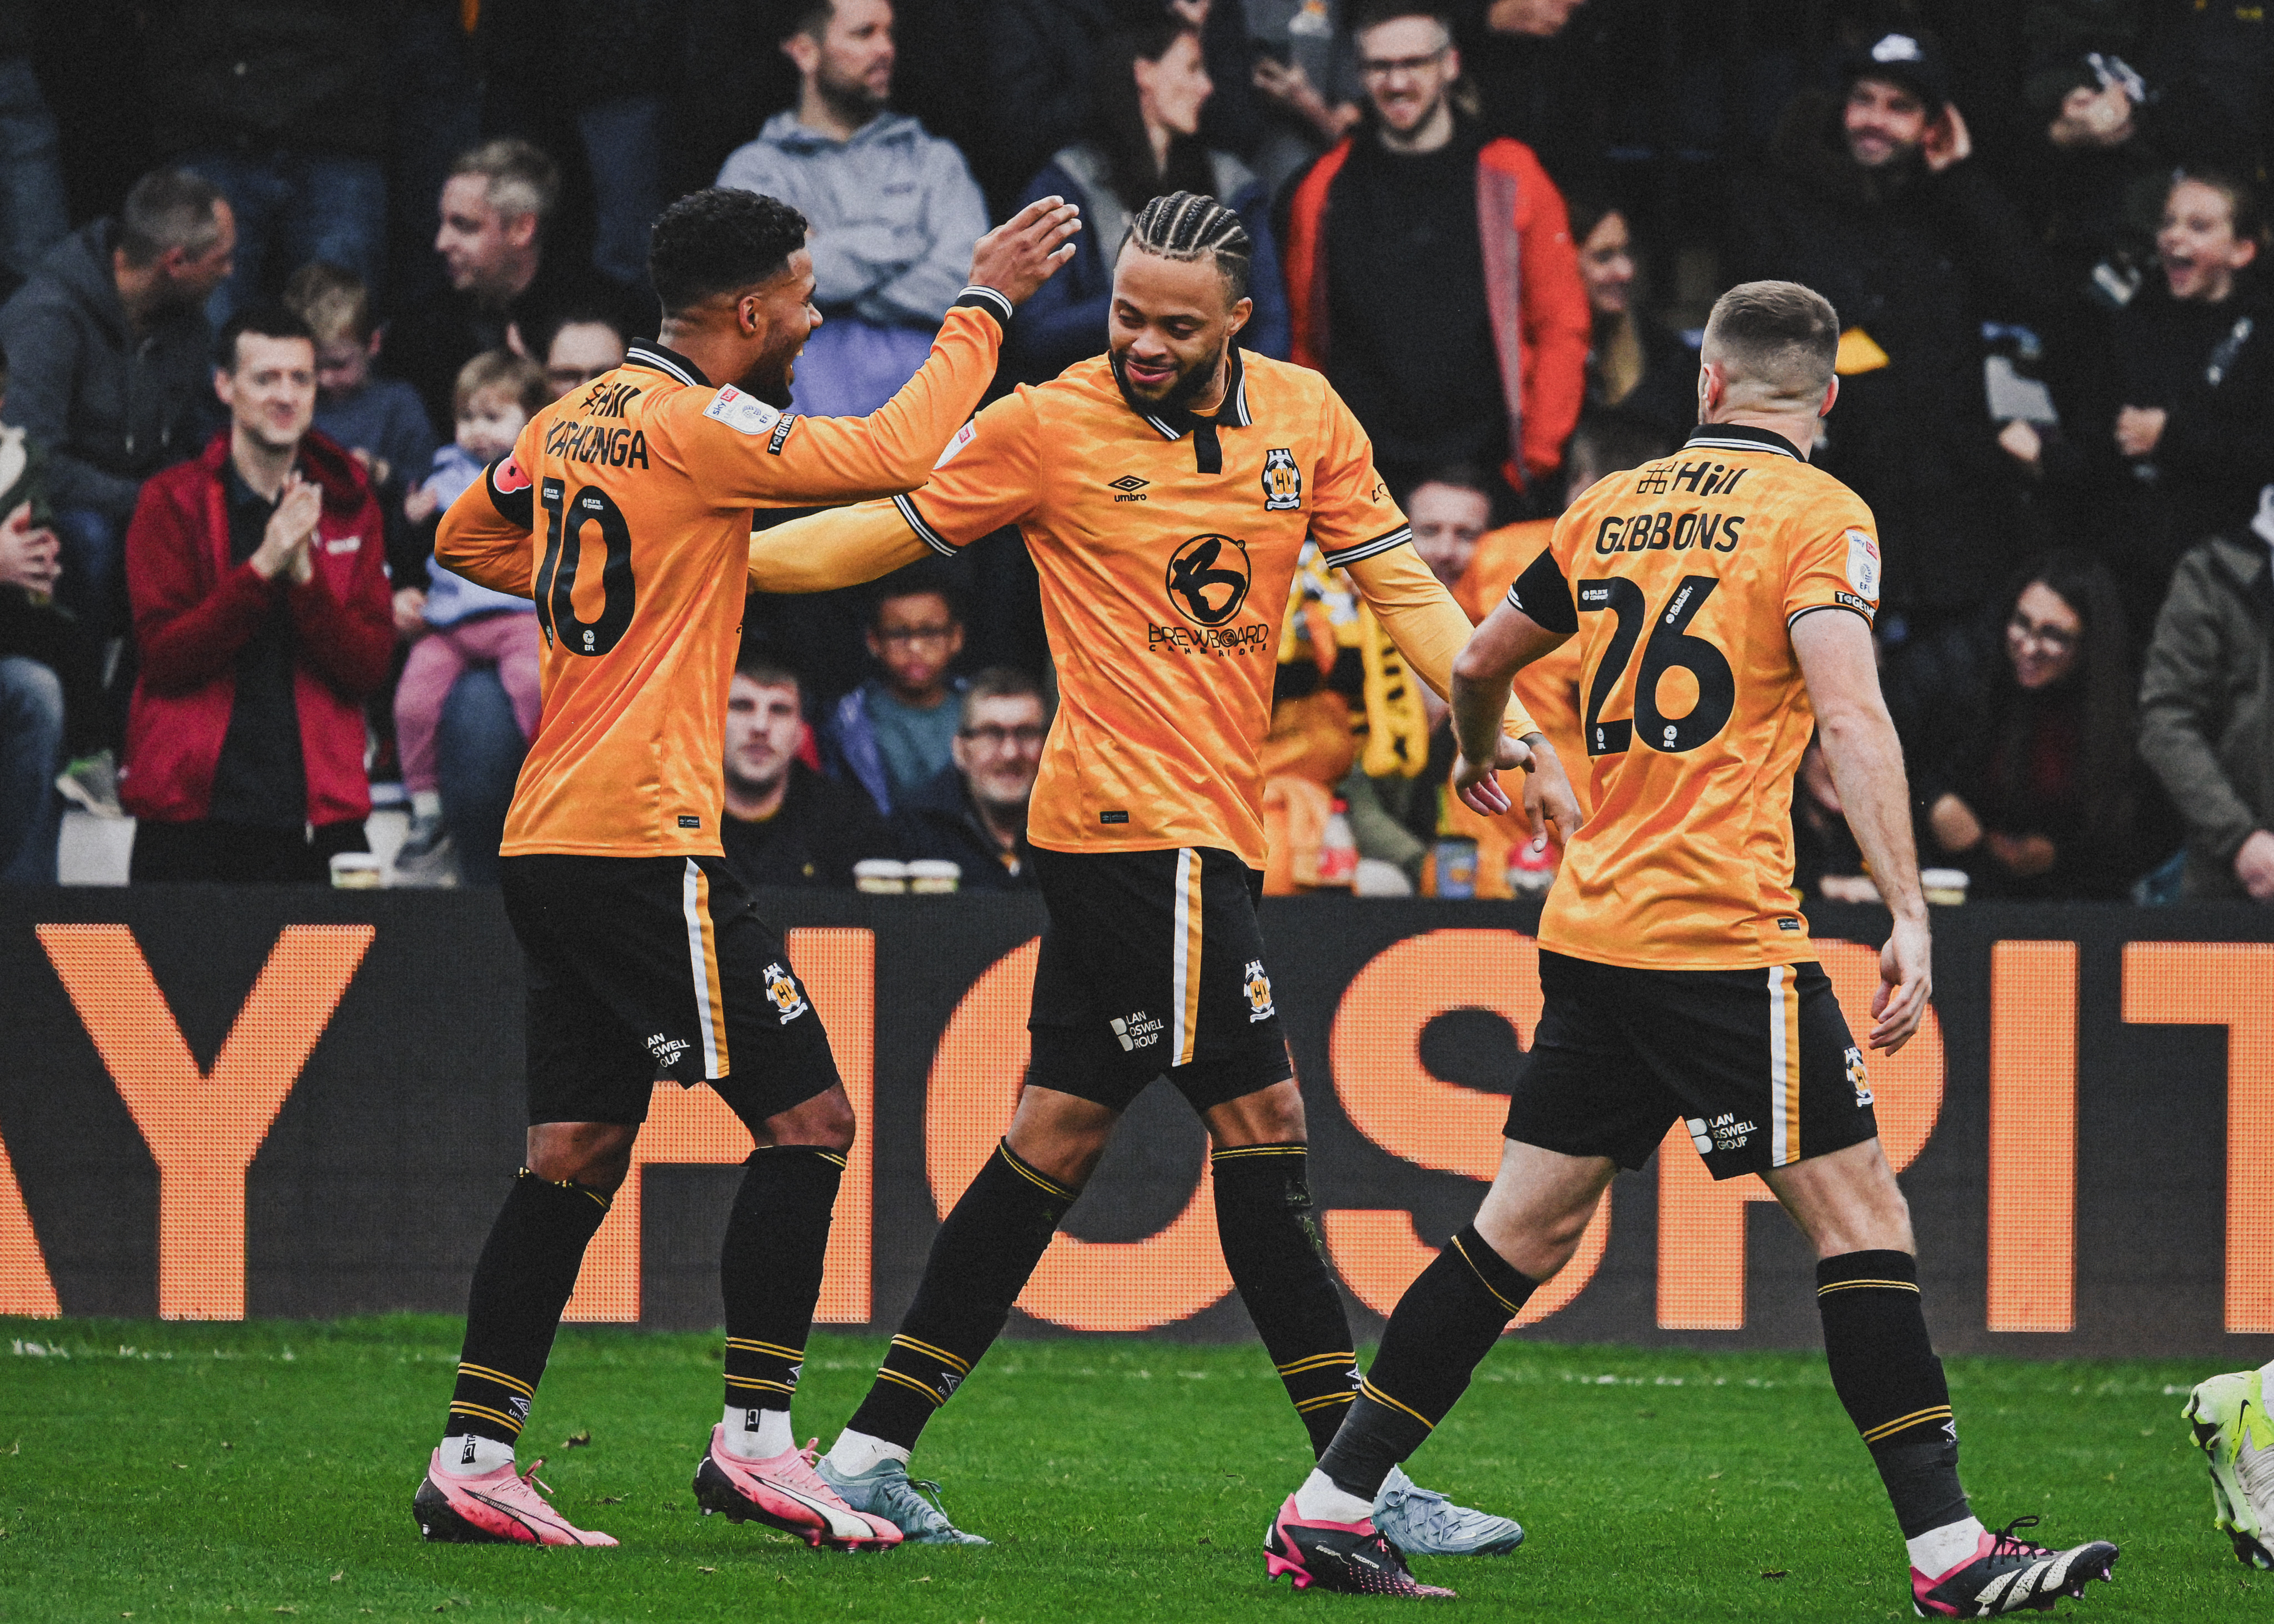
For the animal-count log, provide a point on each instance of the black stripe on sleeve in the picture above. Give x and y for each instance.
(931, 537)
(1543, 593)
(987, 299)
(1383, 543)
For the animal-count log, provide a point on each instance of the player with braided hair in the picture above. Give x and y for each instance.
(1165, 490)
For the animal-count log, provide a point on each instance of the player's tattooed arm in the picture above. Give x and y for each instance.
(844, 546)
(1838, 664)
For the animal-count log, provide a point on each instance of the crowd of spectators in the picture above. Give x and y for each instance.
(280, 278)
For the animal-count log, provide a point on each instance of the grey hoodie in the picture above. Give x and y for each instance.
(894, 213)
(111, 408)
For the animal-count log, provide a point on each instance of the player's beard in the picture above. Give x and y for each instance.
(769, 379)
(1179, 395)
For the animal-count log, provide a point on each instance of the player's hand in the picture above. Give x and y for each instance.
(1905, 982)
(1019, 256)
(1547, 798)
(1476, 784)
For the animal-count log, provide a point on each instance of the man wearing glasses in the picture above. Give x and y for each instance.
(896, 732)
(974, 813)
(1481, 357)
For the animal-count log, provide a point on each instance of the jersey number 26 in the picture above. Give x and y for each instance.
(1670, 646)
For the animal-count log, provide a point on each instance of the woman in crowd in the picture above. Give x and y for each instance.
(1637, 370)
(1142, 144)
(2172, 436)
(2043, 797)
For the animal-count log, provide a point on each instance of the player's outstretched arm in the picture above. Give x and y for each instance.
(485, 534)
(1483, 676)
(845, 546)
(1837, 663)
(804, 461)
(1430, 630)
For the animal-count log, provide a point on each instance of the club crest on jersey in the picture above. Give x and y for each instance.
(1257, 985)
(1863, 564)
(1282, 481)
(781, 987)
(1208, 579)
(745, 414)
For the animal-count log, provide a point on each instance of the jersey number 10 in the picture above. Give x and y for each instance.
(1670, 647)
(565, 520)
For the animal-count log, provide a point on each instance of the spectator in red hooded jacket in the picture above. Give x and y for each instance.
(1454, 340)
(257, 574)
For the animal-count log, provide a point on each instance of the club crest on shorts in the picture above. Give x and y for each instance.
(1859, 1077)
(1282, 481)
(781, 987)
(1257, 985)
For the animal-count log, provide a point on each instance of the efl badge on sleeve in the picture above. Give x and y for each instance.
(1282, 481)
(1864, 565)
(742, 412)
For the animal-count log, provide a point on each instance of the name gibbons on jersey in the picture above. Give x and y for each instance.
(1662, 531)
(617, 447)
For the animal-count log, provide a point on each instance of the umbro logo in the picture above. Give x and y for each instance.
(1129, 487)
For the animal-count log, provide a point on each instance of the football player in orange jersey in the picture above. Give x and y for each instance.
(624, 509)
(1165, 491)
(1723, 601)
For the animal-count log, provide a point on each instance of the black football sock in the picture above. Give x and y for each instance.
(527, 1270)
(1885, 1369)
(1263, 1217)
(986, 1249)
(1445, 1324)
(770, 1270)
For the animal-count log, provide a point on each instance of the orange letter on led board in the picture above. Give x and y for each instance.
(2226, 984)
(1701, 1224)
(1082, 1285)
(203, 1128)
(2032, 1283)
(1392, 1099)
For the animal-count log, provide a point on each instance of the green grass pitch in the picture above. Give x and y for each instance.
(247, 1472)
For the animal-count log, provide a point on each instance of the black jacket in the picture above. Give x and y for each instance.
(111, 407)
(1916, 261)
(258, 75)
(2211, 368)
(939, 821)
(823, 829)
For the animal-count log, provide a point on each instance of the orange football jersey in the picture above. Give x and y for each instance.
(1684, 577)
(625, 511)
(1164, 582)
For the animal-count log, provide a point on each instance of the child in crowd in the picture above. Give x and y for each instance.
(381, 421)
(466, 625)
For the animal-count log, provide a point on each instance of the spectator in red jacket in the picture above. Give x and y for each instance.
(257, 574)
(1452, 343)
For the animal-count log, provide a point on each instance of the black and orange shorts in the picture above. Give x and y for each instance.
(1152, 965)
(1759, 1064)
(648, 969)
